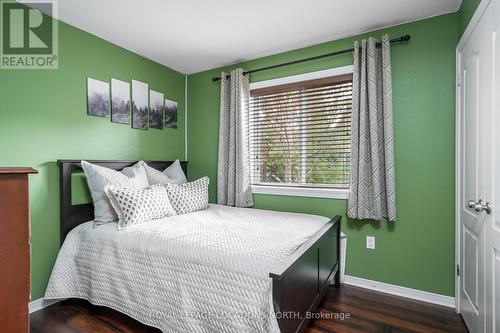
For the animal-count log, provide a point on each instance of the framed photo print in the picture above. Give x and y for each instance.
(120, 101)
(140, 99)
(170, 114)
(97, 98)
(156, 107)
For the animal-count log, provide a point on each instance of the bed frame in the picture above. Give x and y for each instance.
(299, 284)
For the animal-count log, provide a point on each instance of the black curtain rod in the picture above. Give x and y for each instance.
(395, 40)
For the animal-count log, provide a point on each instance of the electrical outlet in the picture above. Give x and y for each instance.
(370, 242)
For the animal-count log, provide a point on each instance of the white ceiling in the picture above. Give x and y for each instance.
(195, 35)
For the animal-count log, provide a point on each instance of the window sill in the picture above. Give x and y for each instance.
(311, 192)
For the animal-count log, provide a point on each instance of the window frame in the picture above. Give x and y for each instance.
(302, 191)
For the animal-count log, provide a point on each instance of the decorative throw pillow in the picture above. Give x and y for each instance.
(189, 197)
(138, 173)
(97, 179)
(137, 206)
(171, 175)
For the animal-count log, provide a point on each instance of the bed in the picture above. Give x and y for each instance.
(223, 269)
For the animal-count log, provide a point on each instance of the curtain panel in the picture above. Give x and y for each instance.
(234, 186)
(372, 192)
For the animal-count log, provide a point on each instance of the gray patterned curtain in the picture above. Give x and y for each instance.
(372, 186)
(233, 169)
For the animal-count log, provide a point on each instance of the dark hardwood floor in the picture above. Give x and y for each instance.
(372, 311)
(349, 309)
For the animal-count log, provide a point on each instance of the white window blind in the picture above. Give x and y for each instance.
(300, 133)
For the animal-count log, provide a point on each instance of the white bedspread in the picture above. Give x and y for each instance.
(200, 272)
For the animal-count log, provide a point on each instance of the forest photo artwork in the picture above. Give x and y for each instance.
(131, 103)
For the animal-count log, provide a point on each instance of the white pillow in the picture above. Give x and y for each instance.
(141, 205)
(189, 197)
(138, 174)
(171, 175)
(97, 179)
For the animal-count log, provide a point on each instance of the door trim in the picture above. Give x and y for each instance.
(458, 190)
(458, 140)
(473, 22)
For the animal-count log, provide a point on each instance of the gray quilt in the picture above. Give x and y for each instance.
(205, 271)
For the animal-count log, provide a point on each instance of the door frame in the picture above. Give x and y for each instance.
(458, 141)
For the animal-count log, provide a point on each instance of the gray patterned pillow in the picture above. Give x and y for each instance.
(137, 206)
(189, 197)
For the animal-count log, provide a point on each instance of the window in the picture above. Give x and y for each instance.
(300, 131)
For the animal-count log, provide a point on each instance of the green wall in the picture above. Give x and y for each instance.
(418, 250)
(43, 118)
(465, 13)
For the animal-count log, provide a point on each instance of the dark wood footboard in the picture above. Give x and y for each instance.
(301, 282)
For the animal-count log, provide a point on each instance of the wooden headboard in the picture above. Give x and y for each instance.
(74, 215)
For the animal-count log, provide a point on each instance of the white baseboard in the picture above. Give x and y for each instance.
(351, 280)
(41, 303)
(400, 291)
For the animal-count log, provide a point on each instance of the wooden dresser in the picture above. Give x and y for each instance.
(14, 250)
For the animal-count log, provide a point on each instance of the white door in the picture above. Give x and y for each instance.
(479, 170)
(492, 226)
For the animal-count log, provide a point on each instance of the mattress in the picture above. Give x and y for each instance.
(205, 271)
